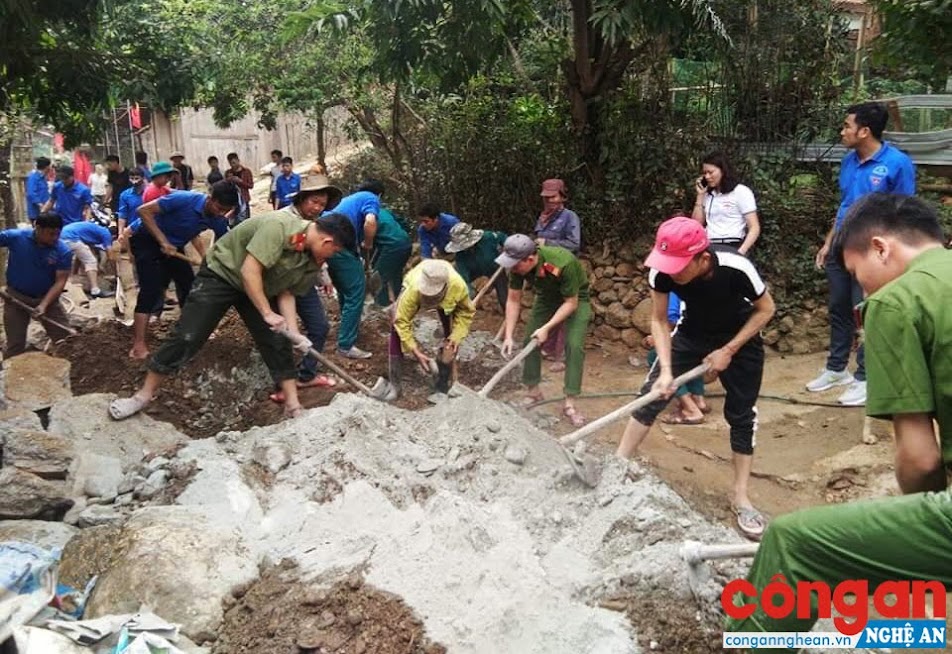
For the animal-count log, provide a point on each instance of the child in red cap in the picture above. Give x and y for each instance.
(726, 306)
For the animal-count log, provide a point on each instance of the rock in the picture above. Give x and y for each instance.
(41, 533)
(631, 298)
(625, 270)
(641, 316)
(599, 272)
(26, 496)
(608, 297)
(85, 419)
(179, 564)
(599, 310)
(130, 481)
(437, 398)
(608, 333)
(515, 454)
(609, 271)
(273, 457)
(124, 499)
(618, 316)
(96, 476)
(89, 553)
(787, 323)
(11, 419)
(35, 381)
(79, 505)
(156, 463)
(631, 337)
(44, 454)
(602, 285)
(493, 426)
(771, 336)
(153, 485)
(97, 515)
(428, 466)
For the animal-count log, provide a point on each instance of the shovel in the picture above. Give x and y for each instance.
(487, 286)
(12, 300)
(382, 390)
(588, 472)
(515, 361)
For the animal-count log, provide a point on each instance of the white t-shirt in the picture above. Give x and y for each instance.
(724, 212)
(97, 184)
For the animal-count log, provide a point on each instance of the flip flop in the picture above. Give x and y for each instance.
(575, 416)
(527, 401)
(321, 381)
(126, 407)
(751, 522)
(679, 419)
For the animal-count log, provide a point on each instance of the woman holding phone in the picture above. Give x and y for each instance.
(726, 208)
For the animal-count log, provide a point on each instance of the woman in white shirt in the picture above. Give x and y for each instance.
(726, 208)
(97, 183)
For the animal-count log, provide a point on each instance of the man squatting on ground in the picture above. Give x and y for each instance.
(260, 264)
(892, 244)
(561, 296)
(37, 272)
(430, 284)
(726, 306)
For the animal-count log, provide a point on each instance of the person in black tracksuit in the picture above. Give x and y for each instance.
(726, 306)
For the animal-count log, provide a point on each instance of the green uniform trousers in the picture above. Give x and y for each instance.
(390, 262)
(576, 326)
(906, 538)
(347, 275)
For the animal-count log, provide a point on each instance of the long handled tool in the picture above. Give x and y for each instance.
(515, 361)
(185, 257)
(380, 393)
(588, 472)
(487, 286)
(9, 298)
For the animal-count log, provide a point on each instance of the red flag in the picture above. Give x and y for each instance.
(135, 117)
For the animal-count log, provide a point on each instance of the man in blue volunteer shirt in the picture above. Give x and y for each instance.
(872, 166)
(37, 272)
(286, 184)
(70, 199)
(37, 190)
(346, 268)
(130, 201)
(434, 229)
(85, 239)
(167, 226)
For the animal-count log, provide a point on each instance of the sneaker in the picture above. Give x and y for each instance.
(854, 395)
(354, 353)
(101, 293)
(828, 379)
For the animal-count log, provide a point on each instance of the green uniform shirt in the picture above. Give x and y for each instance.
(557, 275)
(480, 260)
(389, 232)
(908, 328)
(276, 239)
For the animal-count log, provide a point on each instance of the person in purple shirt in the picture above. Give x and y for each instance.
(37, 272)
(69, 198)
(37, 190)
(871, 166)
(434, 229)
(158, 243)
(560, 227)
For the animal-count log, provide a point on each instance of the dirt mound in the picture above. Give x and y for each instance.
(226, 386)
(281, 613)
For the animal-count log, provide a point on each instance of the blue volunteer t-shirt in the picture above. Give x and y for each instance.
(182, 217)
(129, 201)
(37, 193)
(31, 268)
(286, 186)
(356, 206)
(439, 238)
(888, 171)
(92, 234)
(70, 202)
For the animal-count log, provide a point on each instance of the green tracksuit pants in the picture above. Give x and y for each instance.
(347, 275)
(390, 262)
(575, 327)
(906, 538)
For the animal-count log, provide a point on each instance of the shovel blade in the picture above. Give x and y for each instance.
(383, 390)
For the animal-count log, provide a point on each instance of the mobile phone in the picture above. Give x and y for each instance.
(703, 182)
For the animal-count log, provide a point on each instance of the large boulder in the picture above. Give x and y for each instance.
(43, 453)
(41, 533)
(641, 316)
(179, 564)
(18, 418)
(85, 420)
(26, 496)
(95, 475)
(36, 381)
(618, 316)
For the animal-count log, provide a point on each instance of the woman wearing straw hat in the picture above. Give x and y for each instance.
(476, 251)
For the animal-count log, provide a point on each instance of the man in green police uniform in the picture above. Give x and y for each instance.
(266, 259)
(892, 244)
(476, 251)
(561, 296)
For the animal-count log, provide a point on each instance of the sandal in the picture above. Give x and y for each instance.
(277, 397)
(558, 366)
(677, 418)
(575, 416)
(126, 407)
(750, 521)
(528, 401)
(321, 381)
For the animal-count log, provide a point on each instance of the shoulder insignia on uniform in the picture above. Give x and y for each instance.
(297, 241)
(549, 269)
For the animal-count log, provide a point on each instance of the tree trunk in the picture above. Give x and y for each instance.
(321, 142)
(6, 191)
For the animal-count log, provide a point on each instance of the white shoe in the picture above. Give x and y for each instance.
(854, 395)
(829, 379)
(354, 353)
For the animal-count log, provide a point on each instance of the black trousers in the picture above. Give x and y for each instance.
(741, 382)
(155, 271)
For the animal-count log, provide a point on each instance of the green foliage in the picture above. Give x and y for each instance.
(915, 39)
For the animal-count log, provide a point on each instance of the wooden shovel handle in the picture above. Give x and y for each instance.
(515, 361)
(9, 298)
(487, 286)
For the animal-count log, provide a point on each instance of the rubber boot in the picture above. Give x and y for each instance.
(395, 365)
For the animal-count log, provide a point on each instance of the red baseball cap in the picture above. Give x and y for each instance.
(678, 240)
